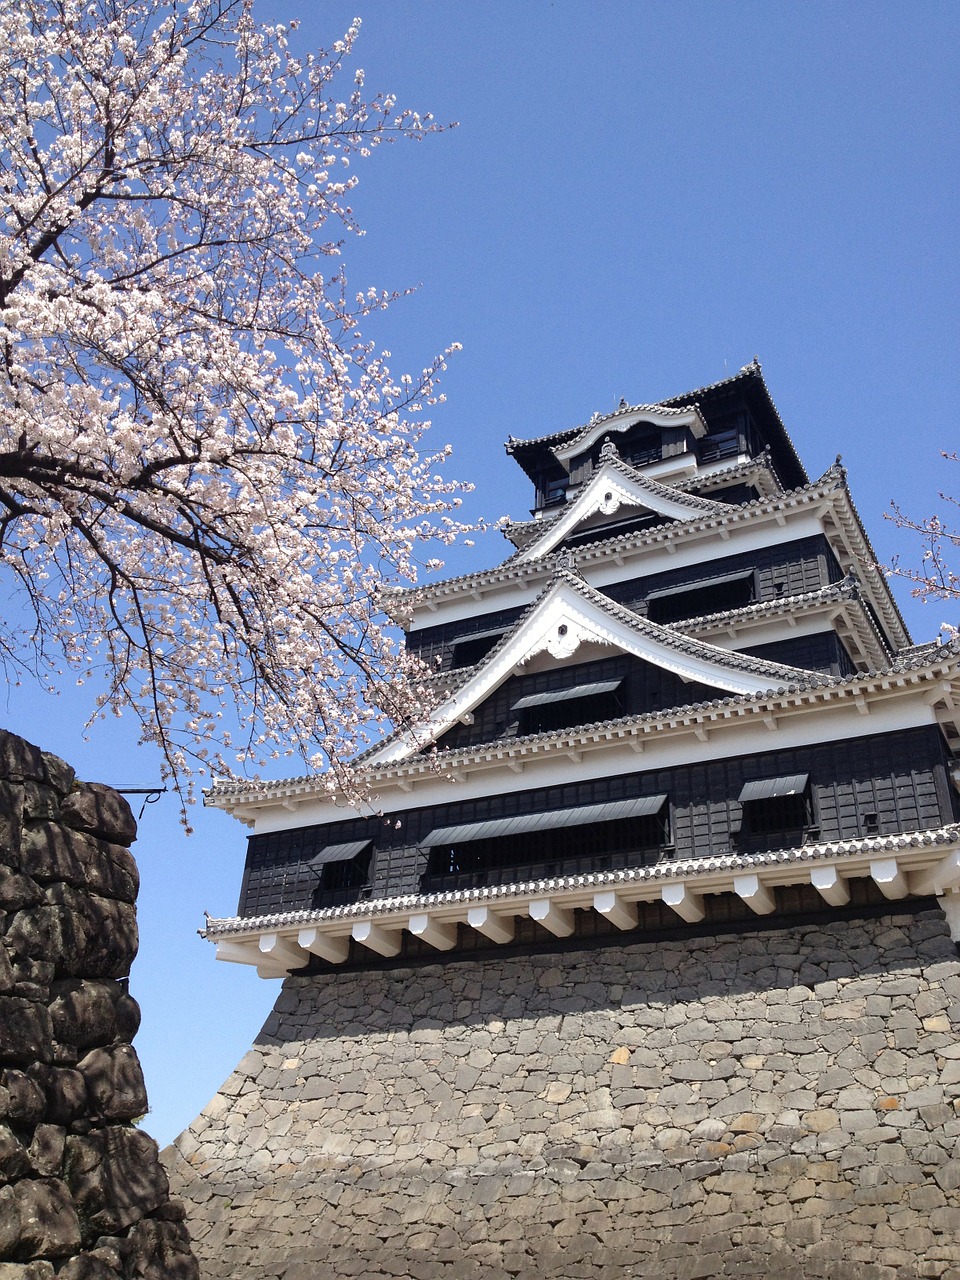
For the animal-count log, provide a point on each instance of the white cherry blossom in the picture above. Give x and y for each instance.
(206, 473)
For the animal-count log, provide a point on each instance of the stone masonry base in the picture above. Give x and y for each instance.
(785, 1103)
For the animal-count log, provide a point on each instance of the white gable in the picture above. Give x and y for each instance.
(568, 616)
(611, 487)
(657, 415)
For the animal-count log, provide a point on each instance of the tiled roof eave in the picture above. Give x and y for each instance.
(604, 422)
(571, 434)
(761, 462)
(676, 719)
(687, 870)
(527, 530)
(831, 484)
(670, 402)
(514, 569)
(870, 565)
(660, 497)
(767, 674)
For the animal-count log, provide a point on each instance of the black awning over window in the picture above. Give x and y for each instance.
(338, 853)
(565, 695)
(488, 634)
(767, 788)
(702, 583)
(497, 828)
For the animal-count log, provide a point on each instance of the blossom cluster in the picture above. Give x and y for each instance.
(206, 473)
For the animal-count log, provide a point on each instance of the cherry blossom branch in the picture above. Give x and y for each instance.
(206, 473)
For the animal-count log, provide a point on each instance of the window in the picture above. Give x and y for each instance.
(622, 833)
(562, 708)
(722, 444)
(468, 650)
(776, 812)
(344, 872)
(616, 528)
(697, 599)
(643, 449)
(553, 490)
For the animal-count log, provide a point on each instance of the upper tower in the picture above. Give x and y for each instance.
(686, 699)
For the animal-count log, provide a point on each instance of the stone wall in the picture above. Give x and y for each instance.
(783, 1103)
(82, 1193)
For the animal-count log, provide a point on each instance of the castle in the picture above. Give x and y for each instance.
(653, 924)
(687, 696)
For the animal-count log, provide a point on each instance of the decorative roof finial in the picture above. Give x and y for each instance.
(609, 449)
(623, 404)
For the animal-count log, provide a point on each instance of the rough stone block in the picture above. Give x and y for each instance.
(101, 811)
(47, 1221)
(82, 934)
(88, 1013)
(17, 890)
(88, 1266)
(65, 1091)
(39, 1270)
(115, 1177)
(26, 1031)
(52, 852)
(25, 1099)
(20, 760)
(13, 1158)
(114, 1082)
(45, 1152)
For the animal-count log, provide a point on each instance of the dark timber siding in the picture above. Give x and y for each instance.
(884, 783)
(786, 569)
(432, 643)
(644, 688)
(824, 651)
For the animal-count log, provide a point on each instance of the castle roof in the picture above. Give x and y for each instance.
(759, 470)
(569, 613)
(749, 380)
(830, 494)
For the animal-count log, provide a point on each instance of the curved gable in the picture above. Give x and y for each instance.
(569, 615)
(657, 415)
(614, 485)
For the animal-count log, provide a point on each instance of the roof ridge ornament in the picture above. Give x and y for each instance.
(836, 471)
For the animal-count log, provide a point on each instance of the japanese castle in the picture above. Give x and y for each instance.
(686, 701)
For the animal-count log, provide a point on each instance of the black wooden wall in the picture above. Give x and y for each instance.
(887, 782)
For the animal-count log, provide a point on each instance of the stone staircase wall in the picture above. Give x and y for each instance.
(83, 1195)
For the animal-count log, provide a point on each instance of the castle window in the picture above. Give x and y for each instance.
(643, 449)
(344, 871)
(776, 811)
(562, 708)
(468, 650)
(697, 599)
(622, 833)
(553, 490)
(722, 444)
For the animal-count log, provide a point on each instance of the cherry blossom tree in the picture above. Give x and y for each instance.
(937, 577)
(206, 473)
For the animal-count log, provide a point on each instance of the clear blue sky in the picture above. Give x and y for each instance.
(639, 198)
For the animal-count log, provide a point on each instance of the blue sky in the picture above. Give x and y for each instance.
(639, 198)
